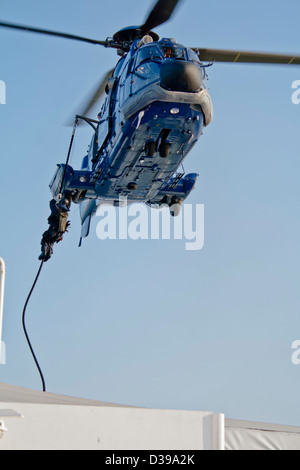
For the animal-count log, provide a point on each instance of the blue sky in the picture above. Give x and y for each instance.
(147, 323)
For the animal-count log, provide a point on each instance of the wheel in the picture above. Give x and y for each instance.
(164, 149)
(132, 186)
(175, 209)
(150, 149)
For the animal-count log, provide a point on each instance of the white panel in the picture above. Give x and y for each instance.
(60, 427)
(258, 436)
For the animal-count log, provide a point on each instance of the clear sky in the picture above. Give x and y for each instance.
(148, 323)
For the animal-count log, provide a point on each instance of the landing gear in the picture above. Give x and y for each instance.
(132, 186)
(161, 145)
(164, 149)
(150, 149)
(175, 207)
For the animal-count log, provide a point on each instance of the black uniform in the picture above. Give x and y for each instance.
(58, 225)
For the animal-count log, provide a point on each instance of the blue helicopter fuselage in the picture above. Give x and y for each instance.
(156, 109)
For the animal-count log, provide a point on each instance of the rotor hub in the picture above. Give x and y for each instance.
(132, 33)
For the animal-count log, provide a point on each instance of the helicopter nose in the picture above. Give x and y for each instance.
(180, 75)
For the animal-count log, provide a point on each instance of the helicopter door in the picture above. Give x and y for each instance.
(126, 81)
(103, 128)
(106, 117)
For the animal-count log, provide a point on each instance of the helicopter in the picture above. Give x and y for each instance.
(156, 108)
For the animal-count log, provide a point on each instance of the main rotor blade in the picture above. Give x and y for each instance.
(52, 33)
(161, 13)
(215, 55)
(93, 98)
(97, 93)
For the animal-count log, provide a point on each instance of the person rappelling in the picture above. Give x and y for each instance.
(58, 226)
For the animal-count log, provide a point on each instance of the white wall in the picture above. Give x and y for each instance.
(60, 427)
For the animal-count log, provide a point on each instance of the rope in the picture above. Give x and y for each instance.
(25, 330)
(41, 267)
(69, 154)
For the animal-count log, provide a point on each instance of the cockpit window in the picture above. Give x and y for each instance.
(193, 56)
(173, 51)
(148, 53)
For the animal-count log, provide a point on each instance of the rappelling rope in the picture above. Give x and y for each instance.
(25, 330)
(41, 267)
(69, 153)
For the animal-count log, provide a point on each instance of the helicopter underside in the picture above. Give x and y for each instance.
(142, 165)
(149, 151)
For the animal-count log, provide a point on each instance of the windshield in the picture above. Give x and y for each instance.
(173, 51)
(148, 53)
(193, 56)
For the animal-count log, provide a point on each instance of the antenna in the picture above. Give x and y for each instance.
(2, 286)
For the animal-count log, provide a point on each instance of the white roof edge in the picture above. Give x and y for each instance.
(234, 423)
(16, 394)
(12, 394)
